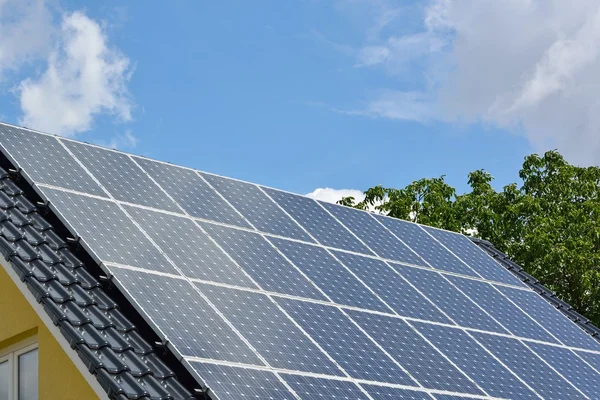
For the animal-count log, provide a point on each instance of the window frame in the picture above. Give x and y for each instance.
(11, 354)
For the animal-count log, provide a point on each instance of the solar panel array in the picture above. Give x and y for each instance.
(271, 295)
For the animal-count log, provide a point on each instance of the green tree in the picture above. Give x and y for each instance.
(549, 223)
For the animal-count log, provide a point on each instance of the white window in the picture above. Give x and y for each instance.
(19, 371)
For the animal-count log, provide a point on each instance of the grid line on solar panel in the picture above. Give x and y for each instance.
(272, 332)
(227, 382)
(259, 210)
(182, 315)
(455, 304)
(43, 159)
(190, 192)
(551, 319)
(336, 282)
(477, 361)
(359, 356)
(474, 256)
(509, 315)
(426, 246)
(426, 363)
(375, 389)
(572, 367)
(315, 220)
(119, 176)
(262, 261)
(377, 237)
(524, 362)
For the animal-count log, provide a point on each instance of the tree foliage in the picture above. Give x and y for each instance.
(549, 223)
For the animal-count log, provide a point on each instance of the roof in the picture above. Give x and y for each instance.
(166, 279)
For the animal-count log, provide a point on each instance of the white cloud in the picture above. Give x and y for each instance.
(83, 79)
(26, 32)
(408, 106)
(528, 66)
(330, 195)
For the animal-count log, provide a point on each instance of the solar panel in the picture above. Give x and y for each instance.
(264, 294)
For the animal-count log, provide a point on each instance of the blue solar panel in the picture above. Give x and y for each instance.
(257, 207)
(426, 246)
(194, 253)
(310, 388)
(375, 235)
(392, 393)
(335, 319)
(308, 213)
(185, 318)
(108, 232)
(552, 319)
(391, 287)
(123, 179)
(502, 309)
(455, 304)
(45, 160)
(477, 363)
(343, 341)
(425, 363)
(475, 257)
(269, 331)
(329, 275)
(571, 367)
(534, 371)
(227, 382)
(188, 189)
(262, 261)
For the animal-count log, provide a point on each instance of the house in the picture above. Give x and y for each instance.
(128, 278)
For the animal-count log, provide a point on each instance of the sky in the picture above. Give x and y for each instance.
(312, 96)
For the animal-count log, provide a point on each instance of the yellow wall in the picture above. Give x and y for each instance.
(58, 376)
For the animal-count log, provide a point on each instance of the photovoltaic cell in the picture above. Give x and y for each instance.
(552, 319)
(308, 213)
(329, 275)
(373, 234)
(189, 248)
(571, 367)
(473, 360)
(107, 230)
(475, 257)
(45, 160)
(592, 359)
(257, 207)
(188, 189)
(343, 341)
(525, 364)
(426, 246)
(391, 287)
(392, 393)
(269, 331)
(502, 309)
(262, 261)
(185, 318)
(455, 304)
(119, 175)
(233, 383)
(310, 388)
(417, 356)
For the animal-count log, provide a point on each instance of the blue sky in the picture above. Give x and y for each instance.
(302, 95)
